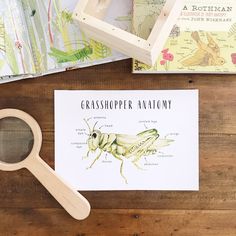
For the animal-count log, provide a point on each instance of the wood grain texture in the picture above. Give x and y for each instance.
(212, 211)
(45, 222)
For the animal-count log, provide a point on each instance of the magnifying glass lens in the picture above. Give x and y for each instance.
(16, 140)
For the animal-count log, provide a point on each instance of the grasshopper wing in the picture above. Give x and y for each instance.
(160, 143)
(135, 145)
(127, 141)
(157, 145)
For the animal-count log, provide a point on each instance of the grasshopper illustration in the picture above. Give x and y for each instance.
(123, 146)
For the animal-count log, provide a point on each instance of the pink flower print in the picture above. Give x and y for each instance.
(168, 56)
(233, 56)
(162, 62)
(171, 57)
(165, 56)
(165, 51)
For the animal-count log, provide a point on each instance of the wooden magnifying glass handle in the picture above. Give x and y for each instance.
(73, 202)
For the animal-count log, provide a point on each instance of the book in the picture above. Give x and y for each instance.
(203, 40)
(128, 140)
(40, 37)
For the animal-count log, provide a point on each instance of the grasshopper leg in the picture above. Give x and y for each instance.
(87, 156)
(148, 133)
(121, 166)
(136, 164)
(121, 171)
(142, 150)
(137, 159)
(99, 155)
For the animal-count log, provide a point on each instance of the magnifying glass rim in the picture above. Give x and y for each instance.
(37, 134)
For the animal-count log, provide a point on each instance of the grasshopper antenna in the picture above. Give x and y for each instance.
(95, 125)
(90, 131)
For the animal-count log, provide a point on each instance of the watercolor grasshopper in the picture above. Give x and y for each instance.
(76, 55)
(123, 146)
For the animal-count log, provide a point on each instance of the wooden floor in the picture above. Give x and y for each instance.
(26, 208)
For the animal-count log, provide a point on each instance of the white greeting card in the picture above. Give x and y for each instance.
(127, 140)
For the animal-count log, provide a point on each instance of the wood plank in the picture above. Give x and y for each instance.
(35, 96)
(118, 222)
(217, 141)
(217, 186)
(27, 206)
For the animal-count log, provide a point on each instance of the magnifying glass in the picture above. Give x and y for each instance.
(20, 144)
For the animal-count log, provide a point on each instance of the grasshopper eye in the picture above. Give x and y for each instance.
(94, 135)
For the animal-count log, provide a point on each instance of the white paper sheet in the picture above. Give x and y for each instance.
(157, 144)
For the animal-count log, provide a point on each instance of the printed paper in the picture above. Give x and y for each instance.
(127, 140)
